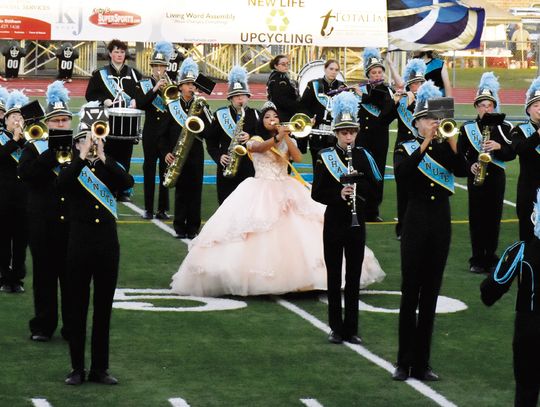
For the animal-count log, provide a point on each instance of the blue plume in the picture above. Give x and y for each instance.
(56, 92)
(536, 215)
(345, 102)
(16, 98)
(189, 65)
(370, 53)
(427, 91)
(533, 88)
(238, 74)
(490, 81)
(4, 94)
(165, 48)
(414, 65)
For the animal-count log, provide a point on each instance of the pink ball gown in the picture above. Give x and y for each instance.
(265, 238)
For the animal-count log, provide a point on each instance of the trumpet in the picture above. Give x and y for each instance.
(170, 91)
(36, 131)
(99, 130)
(447, 129)
(64, 156)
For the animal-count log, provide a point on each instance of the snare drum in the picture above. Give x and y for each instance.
(125, 123)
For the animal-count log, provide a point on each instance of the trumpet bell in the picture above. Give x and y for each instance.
(194, 124)
(300, 125)
(36, 131)
(240, 150)
(447, 129)
(64, 156)
(100, 129)
(170, 93)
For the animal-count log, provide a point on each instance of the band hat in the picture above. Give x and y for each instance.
(57, 97)
(533, 94)
(188, 72)
(238, 85)
(4, 94)
(414, 71)
(345, 110)
(372, 59)
(15, 101)
(488, 89)
(89, 113)
(162, 53)
(427, 91)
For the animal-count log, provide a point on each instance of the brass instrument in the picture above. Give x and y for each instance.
(99, 130)
(299, 125)
(192, 126)
(170, 92)
(36, 131)
(484, 158)
(64, 156)
(447, 129)
(235, 151)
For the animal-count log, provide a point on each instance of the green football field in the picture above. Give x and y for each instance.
(269, 351)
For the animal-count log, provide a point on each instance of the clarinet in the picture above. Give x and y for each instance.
(352, 200)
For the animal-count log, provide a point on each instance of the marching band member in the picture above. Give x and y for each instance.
(526, 143)
(436, 71)
(339, 236)
(4, 94)
(404, 104)
(13, 233)
(90, 183)
(48, 221)
(116, 82)
(521, 259)
(315, 102)
(188, 190)
(281, 90)
(157, 124)
(485, 199)
(426, 168)
(375, 114)
(226, 126)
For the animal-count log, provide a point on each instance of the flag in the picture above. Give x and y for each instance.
(433, 25)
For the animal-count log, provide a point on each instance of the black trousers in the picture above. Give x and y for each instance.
(336, 241)
(225, 186)
(425, 242)
(151, 157)
(188, 193)
(526, 358)
(376, 142)
(485, 211)
(93, 254)
(48, 241)
(13, 244)
(526, 197)
(402, 197)
(121, 151)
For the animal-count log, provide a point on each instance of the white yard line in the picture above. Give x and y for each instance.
(178, 402)
(364, 352)
(41, 403)
(311, 403)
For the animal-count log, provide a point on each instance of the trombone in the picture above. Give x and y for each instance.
(299, 125)
(170, 91)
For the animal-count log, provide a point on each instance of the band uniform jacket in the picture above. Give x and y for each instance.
(97, 90)
(156, 122)
(217, 144)
(284, 94)
(14, 192)
(327, 190)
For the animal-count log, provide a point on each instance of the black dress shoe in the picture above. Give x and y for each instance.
(192, 235)
(400, 374)
(101, 377)
(334, 337)
(148, 215)
(425, 375)
(75, 378)
(355, 340)
(17, 289)
(162, 215)
(477, 270)
(180, 236)
(124, 198)
(6, 288)
(375, 219)
(40, 337)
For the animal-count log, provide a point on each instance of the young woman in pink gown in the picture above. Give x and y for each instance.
(266, 237)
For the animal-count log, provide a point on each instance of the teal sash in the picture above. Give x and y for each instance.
(3, 140)
(334, 164)
(226, 121)
(98, 190)
(41, 147)
(178, 114)
(372, 109)
(475, 137)
(112, 85)
(431, 168)
(146, 85)
(323, 98)
(528, 130)
(405, 115)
